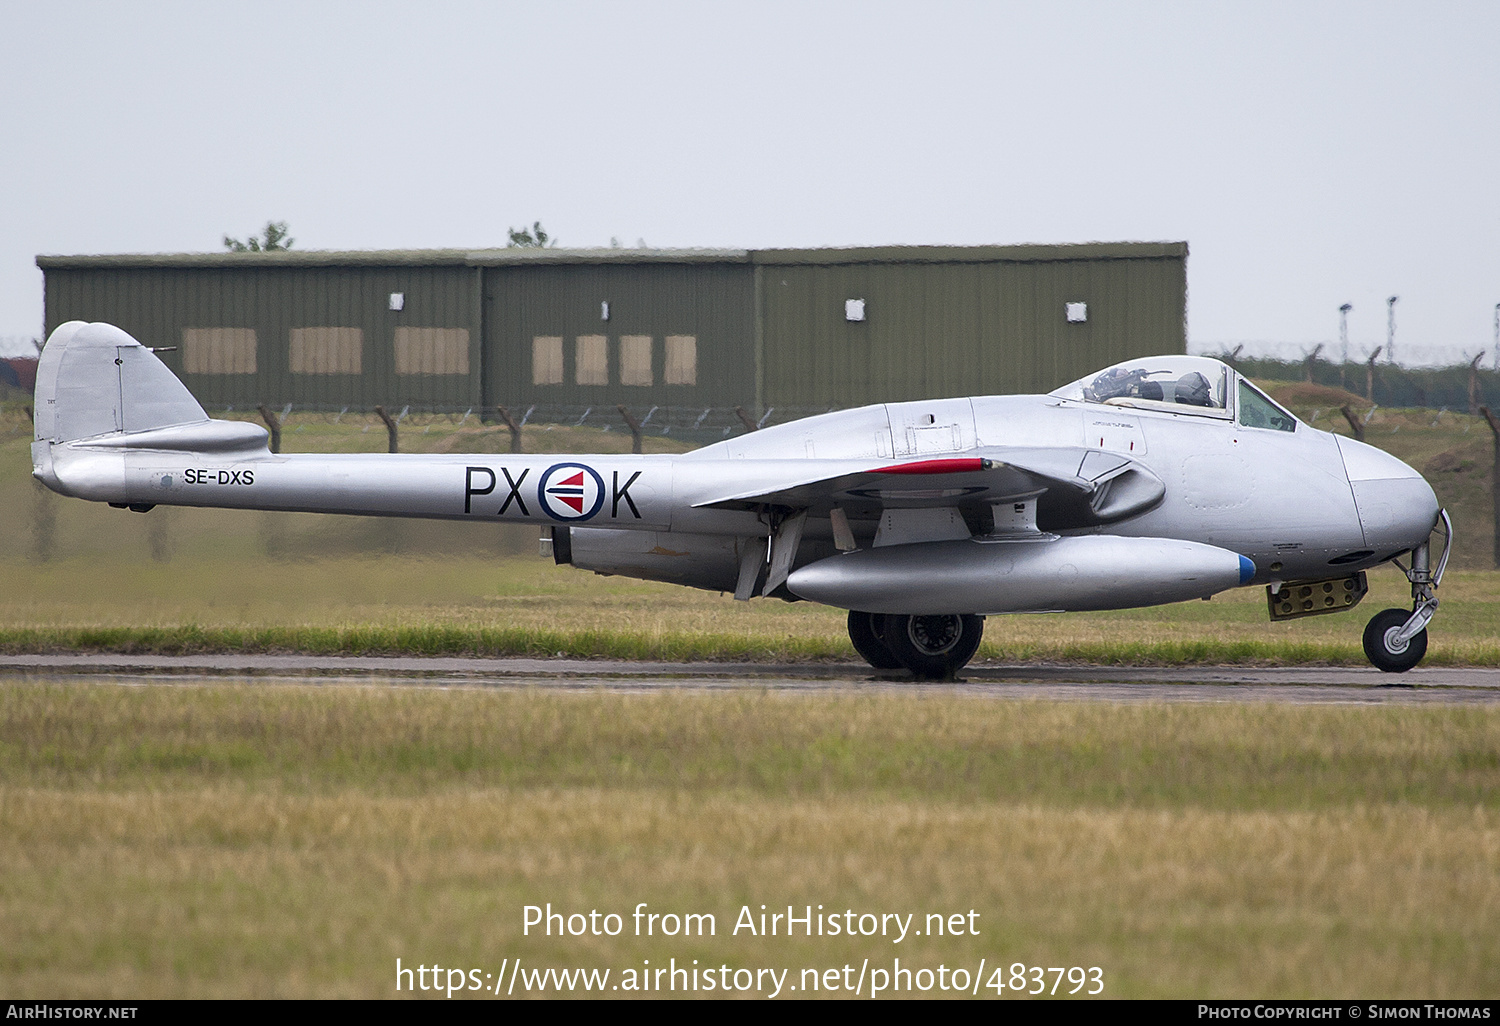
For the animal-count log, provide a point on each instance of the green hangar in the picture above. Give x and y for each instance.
(684, 331)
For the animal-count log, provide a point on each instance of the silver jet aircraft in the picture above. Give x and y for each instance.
(1156, 480)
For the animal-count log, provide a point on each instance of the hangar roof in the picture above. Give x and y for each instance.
(519, 255)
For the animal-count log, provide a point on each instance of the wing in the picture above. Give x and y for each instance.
(1073, 487)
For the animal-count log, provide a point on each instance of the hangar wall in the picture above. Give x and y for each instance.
(685, 331)
(701, 308)
(948, 321)
(188, 302)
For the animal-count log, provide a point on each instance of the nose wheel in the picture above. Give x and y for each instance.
(1388, 647)
(1396, 640)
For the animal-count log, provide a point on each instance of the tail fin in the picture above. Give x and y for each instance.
(97, 386)
(94, 379)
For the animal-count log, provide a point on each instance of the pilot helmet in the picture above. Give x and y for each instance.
(1193, 390)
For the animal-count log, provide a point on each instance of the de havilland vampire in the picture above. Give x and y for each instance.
(1156, 480)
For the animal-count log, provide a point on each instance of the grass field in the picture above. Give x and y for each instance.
(295, 841)
(271, 840)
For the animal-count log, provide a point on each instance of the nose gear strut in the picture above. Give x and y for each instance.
(1396, 642)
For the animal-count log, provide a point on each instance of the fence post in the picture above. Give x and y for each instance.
(1474, 383)
(635, 429)
(515, 429)
(390, 428)
(1307, 363)
(43, 521)
(1355, 424)
(750, 425)
(1370, 374)
(1494, 423)
(274, 423)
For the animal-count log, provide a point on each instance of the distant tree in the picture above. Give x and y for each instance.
(535, 237)
(275, 238)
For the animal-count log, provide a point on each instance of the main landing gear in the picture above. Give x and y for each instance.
(1396, 640)
(931, 647)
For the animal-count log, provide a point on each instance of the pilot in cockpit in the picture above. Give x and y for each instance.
(1192, 389)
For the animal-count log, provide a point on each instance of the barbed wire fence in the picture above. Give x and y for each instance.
(692, 425)
(1461, 385)
(1413, 356)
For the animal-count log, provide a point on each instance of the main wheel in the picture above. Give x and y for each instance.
(933, 647)
(1379, 635)
(865, 633)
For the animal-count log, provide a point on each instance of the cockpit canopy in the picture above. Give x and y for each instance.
(1177, 381)
(1195, 385)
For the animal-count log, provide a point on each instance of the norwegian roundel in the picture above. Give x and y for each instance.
(570, 491)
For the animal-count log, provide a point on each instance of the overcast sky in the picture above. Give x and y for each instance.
(1311, 154)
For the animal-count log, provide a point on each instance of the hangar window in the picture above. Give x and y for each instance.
(327, 350)
(635, 360)
(682, 360)
(591, 355)
(432, 350)
(546, 360)
(1176, 384)
(218, 350)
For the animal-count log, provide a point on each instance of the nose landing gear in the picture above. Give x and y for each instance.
(1396, 640)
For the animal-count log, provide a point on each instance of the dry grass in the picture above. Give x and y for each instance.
(1252, 756)
(294, 841)
(213, 893)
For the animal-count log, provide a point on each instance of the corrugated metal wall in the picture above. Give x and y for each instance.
(156, 304)
(710, 302)
(936, 329)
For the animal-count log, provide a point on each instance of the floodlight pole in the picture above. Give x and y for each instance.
(1390, 328)
(1344, 332)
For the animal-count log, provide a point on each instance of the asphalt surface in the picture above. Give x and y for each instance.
(1314, 684)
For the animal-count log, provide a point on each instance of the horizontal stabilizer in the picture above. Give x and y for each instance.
(219, 437)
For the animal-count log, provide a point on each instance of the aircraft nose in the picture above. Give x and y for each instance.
(1397, 507)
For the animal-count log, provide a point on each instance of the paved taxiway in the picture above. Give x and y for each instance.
(1446, 685)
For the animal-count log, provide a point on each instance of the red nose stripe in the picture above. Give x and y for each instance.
(960, 466)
